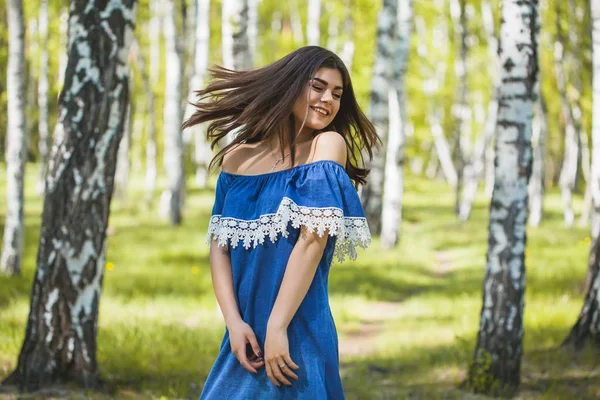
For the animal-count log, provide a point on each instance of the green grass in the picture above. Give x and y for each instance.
(416, 307)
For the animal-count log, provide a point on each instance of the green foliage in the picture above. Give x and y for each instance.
(412, 312)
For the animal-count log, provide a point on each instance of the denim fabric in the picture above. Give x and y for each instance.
(258, 272)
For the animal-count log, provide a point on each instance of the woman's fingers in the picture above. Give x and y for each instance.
(241, 356)
(289, 362)
(276, 370)
(271, 376)
(254, 343)
(286, 368)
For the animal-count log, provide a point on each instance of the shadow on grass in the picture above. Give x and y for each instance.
(435, 373)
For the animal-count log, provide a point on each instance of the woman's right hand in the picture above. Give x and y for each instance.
(240, 335)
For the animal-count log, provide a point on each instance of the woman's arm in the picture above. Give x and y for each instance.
(240, 333)
(222, 279)
(299, 273)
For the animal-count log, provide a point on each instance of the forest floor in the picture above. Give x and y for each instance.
(407, 318)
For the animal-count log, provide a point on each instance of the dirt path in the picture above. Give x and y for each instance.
(361, 341)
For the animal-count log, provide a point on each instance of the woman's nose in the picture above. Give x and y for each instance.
(327, 96)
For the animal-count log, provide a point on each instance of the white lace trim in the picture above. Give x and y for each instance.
(351, 231)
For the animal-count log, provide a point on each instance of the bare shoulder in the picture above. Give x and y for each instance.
(330, 145)
(235, 157)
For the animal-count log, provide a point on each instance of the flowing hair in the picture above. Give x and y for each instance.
(258, 103)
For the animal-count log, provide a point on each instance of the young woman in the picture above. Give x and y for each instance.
(285, 205)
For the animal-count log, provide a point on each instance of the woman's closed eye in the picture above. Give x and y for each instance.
(320, 89)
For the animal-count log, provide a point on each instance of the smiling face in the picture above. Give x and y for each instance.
(320, 101)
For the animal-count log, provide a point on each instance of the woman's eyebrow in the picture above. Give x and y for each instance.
(326, 83)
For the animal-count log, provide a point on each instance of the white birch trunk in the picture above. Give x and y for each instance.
(149, 110)
(595, 172)
(295, 20)
(173, 152)
(236, 44)
(347, 52)
(61, 333)
(569, 169)
(430, 87)
(253, 29)
(43, 126)
(461, 107)
(391, 215)
(372, 192)
(313, 30)
(202, 151)
(122, 169)
(538, 175)
(497, 358)
(474, 170)
(587, 327)
(536, 188)
(16, 142)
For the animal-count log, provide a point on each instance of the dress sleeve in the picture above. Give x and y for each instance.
(323, 199)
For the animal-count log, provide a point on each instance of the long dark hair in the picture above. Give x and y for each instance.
(258, 104)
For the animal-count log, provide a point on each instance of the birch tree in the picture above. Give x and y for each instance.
(587, 327)
(313, 30)
(43, 125)
(431, 88)
(497, 359)
(474, 169)
(202, 151)
(372, 192)
(172, 197)
(236, 43)
(123, 163)
(60, 338)
(537, 186)
(347, 52)
(570, 166)
(12, 244)
(461, 107)
(394, 175)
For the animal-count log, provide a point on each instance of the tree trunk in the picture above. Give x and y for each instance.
(123, 164)
(236, 43)
(347, 52)
(497, 359)
(474, 170)
(295, 21)
(202, 151)
(537, 186)
(149, 99)
(461, 106)
(313, 32)
(60, 338)
(587, 326)
(16, 142)
(372, 192)
(173, 153)
(43, 129)
(570, 166)
(391, 215)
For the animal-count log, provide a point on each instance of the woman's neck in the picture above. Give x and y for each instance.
(304, 136)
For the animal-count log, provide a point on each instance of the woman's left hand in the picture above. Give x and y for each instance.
(278, 363)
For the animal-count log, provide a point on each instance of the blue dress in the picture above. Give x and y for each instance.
(258, 217)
